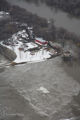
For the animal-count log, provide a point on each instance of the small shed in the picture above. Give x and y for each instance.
(40, 41)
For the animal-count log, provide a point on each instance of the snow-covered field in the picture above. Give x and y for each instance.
(28, 56)
(22, 49)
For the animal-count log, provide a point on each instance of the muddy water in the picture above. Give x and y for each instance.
(47, 88)
(60, 18)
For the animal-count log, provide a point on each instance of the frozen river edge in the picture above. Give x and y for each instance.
(41, 86)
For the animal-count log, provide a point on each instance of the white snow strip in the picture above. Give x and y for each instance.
(27, 57)
(73, 118)
(31, 45)
(30, 28)
(40, 39)
(65, 119)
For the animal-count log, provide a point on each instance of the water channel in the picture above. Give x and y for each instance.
(61, 19)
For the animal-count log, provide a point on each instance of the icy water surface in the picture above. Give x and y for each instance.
(3, 63)
(45, 91)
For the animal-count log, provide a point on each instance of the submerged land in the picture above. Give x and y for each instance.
(42, 91)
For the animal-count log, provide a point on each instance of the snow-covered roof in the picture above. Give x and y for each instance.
(40, 39)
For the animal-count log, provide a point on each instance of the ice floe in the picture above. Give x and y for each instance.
(43, 90)
(73, 118)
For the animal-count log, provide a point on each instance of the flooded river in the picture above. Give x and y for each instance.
(47, 90)
(60, 18)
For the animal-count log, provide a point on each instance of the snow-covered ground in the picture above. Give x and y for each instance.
(28, 57)
(22, 49)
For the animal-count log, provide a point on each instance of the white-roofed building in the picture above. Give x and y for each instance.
(41, 41)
